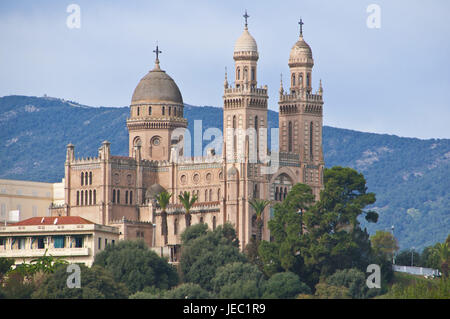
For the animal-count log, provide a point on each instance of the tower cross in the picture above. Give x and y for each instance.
(301, 26)
(245, 17)
(157, 52)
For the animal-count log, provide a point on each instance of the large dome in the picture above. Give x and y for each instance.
(157, 87)
(245, 43)
(300, 51)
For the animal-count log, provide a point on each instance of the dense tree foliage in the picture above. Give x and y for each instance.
(238, 280)
(354, 280)
(284, 285)
(204, 254)
(384, 244)
(135, 265)
(96, 283)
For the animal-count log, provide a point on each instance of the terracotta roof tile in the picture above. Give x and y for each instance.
(62, 220)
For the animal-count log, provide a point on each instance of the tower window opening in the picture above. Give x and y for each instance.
(238, 73)
(90, 197)
(90, 178)
(300, 79)
(118, 196)
(253, 74)
(85, 197)
(290, 137)
(131, 197)
(293, 79)
(126, 197)
(163, 110)
(95, 197)
(170, 110)
(82, 178)
(149, 110)
(78, 198)
(311, 140)
(308, 80)
(113, 196)
(86, 178)
(81, 202)
(138, 111)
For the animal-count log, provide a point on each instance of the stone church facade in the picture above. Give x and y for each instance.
(120, 191)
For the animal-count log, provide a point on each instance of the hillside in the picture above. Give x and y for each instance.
(410, 176)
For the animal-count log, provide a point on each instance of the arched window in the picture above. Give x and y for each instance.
(245, 74)
(311, 139)
(210, 195)
(170, 111)
(214, 222)
(85, 197)
(131, 197)
(293, 79)
(118, 196)
(290, 136)
(95, 197)
(82, 178)
(138, 111)
(78, 198)
(90, 178)
(206, 195)
(238, 73)
(86, 176)
(114, 196)
(82, 196)
(163, 110)
(308, 79)
(276, 193)
(90, 197)
(149, 110)
(126, 197)
(253, 74)
(175, 226)
(218, 194)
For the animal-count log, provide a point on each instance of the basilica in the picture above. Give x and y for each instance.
(120, 191)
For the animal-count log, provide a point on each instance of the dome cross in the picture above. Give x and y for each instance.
(157, 52)
(301, 26)
(246, 16)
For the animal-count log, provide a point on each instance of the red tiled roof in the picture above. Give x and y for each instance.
(62, 220)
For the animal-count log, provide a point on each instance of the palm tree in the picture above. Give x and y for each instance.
(163, 199)
(259, 205)
(443, 251)
(187, 202)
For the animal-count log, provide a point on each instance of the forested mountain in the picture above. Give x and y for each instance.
(409, 176)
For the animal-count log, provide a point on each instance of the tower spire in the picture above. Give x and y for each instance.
(281, 84)
(246, 16)
(225, 83)
(301, 27)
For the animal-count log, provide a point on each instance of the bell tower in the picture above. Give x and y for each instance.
(301, 116)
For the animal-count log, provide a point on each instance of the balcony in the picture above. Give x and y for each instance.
(56, 252)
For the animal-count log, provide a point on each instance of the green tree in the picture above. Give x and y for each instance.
(259, 205)
(334, 239)
(132, 263)
(163, 200)
(405, 257)
(326, 291)
(187, 201)
(442, 250)
(5, 266)
(201, 256)
(187, 291)
(286, 227)
(238, 280)
(284, 285)
(384, 244)
(354, 280)
(96, 283)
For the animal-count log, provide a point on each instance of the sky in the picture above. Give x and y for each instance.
(394, 79)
